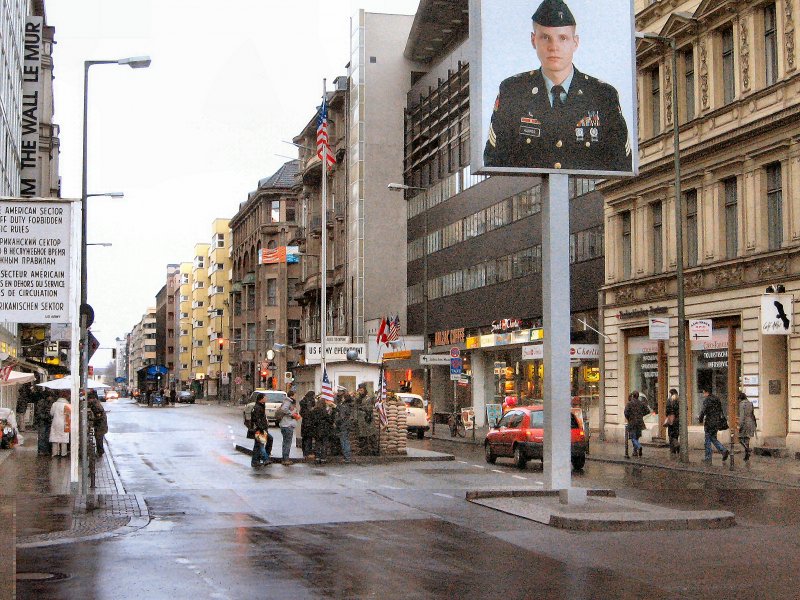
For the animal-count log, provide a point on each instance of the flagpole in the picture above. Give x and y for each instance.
(324, 248)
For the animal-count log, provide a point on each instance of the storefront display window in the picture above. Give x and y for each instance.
(710, 367)
(643, 369)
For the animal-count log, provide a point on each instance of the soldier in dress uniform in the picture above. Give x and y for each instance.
(557, 117)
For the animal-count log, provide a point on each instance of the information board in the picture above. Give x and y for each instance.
(35, 243)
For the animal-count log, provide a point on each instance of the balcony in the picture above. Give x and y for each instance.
(316, 222)
(298, 235)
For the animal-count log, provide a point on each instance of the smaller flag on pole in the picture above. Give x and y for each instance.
(380, 404)
(324, 151)
(394, 329)
(327, 388)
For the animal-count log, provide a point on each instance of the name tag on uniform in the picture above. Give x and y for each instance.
(530, 131)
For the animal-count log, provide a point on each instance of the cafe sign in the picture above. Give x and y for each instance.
(449, 337)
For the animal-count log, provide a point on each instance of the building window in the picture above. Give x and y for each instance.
(688, 83)
(275, 211)
(251, 336)
(770, 44)
(728, 67)
(655, 102)
(527, 203)
(272, 292)
(219, 240)
(731, 218)
(291, 210)
(294, 331)
(586, 245)
(270, 337)
(626, 245)
(774, 206)
(251, 297)
(690, 200)
(658, 237)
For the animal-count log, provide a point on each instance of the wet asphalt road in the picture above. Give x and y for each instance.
(399, 530)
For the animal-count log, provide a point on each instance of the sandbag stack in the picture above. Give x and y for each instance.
(394, 435)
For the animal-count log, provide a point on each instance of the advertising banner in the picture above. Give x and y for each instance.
(333, 352)
(35, 246)
(32, 105)
(553, 87)
(776, 314)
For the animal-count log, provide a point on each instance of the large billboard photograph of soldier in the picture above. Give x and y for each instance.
(534, 109)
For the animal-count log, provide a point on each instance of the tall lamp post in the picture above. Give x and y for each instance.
(676, 147)
(137, 62)
(400, 187)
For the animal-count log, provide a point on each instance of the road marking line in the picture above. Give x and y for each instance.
(463, 462)
(479, 466)
(539, 482)
(518, 477)
(336, 475)
(361, 480)
(390, 487)
(443, 495)
(497, 471)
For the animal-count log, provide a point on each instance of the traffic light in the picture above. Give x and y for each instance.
(264, 373)
(221, 342)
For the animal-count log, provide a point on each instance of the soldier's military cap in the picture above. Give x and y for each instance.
(553, 13)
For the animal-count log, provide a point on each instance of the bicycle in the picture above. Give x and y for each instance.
(456, 424)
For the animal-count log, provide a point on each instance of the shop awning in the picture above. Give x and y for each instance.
(17, 378)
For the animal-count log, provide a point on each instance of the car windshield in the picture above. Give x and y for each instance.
(413, 402)
(537, 420)
(272, 397)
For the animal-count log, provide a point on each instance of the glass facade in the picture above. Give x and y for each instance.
(643, 369)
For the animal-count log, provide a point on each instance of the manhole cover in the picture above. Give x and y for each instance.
(41, 576)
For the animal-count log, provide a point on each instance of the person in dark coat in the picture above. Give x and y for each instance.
(365, 428)
(673, 415)
(711, 416)
(97, 414)
(747, 423)
(320, 427)
(172, 395)
(42, 420)
(261, 454)
(556, 117)
(635, 412)
(306, 430)
(24, 396)
(343, 419)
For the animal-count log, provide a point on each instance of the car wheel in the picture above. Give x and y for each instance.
(490, 457)
(578, 462)
(519, 458)
(420, 434)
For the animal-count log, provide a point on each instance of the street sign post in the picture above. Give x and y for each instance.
(434, 359)
(456, 368)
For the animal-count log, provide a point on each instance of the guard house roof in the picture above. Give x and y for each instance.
(438, 25)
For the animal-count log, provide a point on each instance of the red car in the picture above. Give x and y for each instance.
(520, 435)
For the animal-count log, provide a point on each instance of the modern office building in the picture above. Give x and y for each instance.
(474, 243)
(738, 111)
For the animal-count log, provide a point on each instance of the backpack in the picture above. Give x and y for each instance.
(280, 413)
(247, 415)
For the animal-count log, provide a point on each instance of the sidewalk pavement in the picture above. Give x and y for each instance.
(765, 469)
(45, 511)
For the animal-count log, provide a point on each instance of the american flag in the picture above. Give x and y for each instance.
(327, 388)
(380, 404)
(323, 146)
(394, 329)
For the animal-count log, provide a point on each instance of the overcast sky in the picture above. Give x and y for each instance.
(188, 138)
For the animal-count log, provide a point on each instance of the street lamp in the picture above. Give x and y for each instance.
(135, 62)
(676, 143)
(401, 187)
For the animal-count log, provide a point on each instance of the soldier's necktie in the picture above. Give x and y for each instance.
(557, 90)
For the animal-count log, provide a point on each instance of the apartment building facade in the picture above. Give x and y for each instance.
(266, 314)
(184, 325)
(740, 174)
(219, 310)
(142, 352)
(199, 324)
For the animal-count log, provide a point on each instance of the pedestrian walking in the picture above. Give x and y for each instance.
(23, 397)
(262, 445)
(173, 394)
(42, 420)
(672, 421)
(97, 413)
(635, 412)
(61, 413)
(320, 428)
(287, 417)
(343, 420)
(306, 430)
(747, 423)
(713, 420)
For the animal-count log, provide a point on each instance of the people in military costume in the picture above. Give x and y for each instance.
(557, 117)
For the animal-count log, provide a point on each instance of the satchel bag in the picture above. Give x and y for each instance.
(723, 422)
(280, 413)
